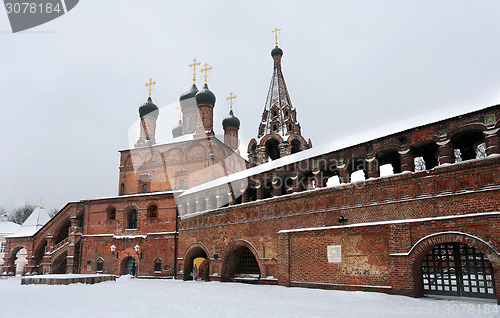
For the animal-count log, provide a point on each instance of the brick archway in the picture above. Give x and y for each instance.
(231, 259)
(127, 264)
(9, 267)
(195, 250)
(418, 252)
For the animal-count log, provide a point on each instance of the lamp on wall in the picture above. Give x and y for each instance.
(113, 250)
(137, 249)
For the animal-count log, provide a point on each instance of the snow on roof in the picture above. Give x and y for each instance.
(7, 228)
(335, 145)
(33, 223)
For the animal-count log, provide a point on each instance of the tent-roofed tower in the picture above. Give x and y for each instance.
(279, 132)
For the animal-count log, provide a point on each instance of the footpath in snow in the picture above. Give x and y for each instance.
(152, 298)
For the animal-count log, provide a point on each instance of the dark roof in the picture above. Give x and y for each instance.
(149, 108)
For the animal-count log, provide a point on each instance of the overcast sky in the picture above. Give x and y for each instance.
(70, 89)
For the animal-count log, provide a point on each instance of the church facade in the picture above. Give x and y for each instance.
(291, 214)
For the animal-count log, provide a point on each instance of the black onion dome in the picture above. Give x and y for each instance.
(148, 108)
(186, 98)
(231, 121)
(177, 131)
(276, 51)
(205, 96)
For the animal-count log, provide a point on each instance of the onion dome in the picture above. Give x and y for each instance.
(205, 96)
(186, 98)
(276, 51)
(177, 131)
(148, 108)
(231, 121)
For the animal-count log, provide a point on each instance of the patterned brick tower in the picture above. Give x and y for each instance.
(190, 116)
(205, 100)
(148, 113)
(279, 132)
(231, 125)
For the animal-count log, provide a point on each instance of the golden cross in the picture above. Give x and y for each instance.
(275, 31)
(206, 69)
(230, 99)
(150, 84)
(41, 204)
(193, 65)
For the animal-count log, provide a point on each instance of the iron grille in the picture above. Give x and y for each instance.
(456, 269)
(247, 263)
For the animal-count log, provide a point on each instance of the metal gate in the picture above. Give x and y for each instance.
(456, 269)
(131, 267)
(247, 263)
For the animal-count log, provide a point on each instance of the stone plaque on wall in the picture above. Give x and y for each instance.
(334, 253)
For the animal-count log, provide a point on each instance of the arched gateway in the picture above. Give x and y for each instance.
(130, 267)
(457, 269)
(240, 264)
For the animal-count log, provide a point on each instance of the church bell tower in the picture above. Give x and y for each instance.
(279, 132)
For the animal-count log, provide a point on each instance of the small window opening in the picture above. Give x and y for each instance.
(157, 265)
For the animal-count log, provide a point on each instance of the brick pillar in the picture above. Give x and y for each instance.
(318, 179)
(47, 257)
(220, 199)
(492, 141)
(208, 204)
(260, 192)
(277, 187)
(230, 197)
(445, 152)
(407, 160)
(9, 267)
(244, 196)
(295, 180)
(284, 259)
(344, 174)
(285, 149)
(197, 205)
(373, 168)
(261, 155)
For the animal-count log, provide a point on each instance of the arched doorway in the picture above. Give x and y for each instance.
(241, 265)
(189, 261)
(457, 269)
(130, 266)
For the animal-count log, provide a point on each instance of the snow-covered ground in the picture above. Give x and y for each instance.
(173, 298)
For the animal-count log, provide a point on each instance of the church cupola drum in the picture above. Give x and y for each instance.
(279, 132)
(188, 105)
(148, 113)
(205, 100)
(231, 125)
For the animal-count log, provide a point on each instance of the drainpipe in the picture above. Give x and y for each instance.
(175, 241)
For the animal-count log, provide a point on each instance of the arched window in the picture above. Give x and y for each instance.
(100, 265)
(295, 146)
(122, 189)
(153, 211)
(275, 127)
(145, 188)
(272, 149)
(132, 219)
(157, 265)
